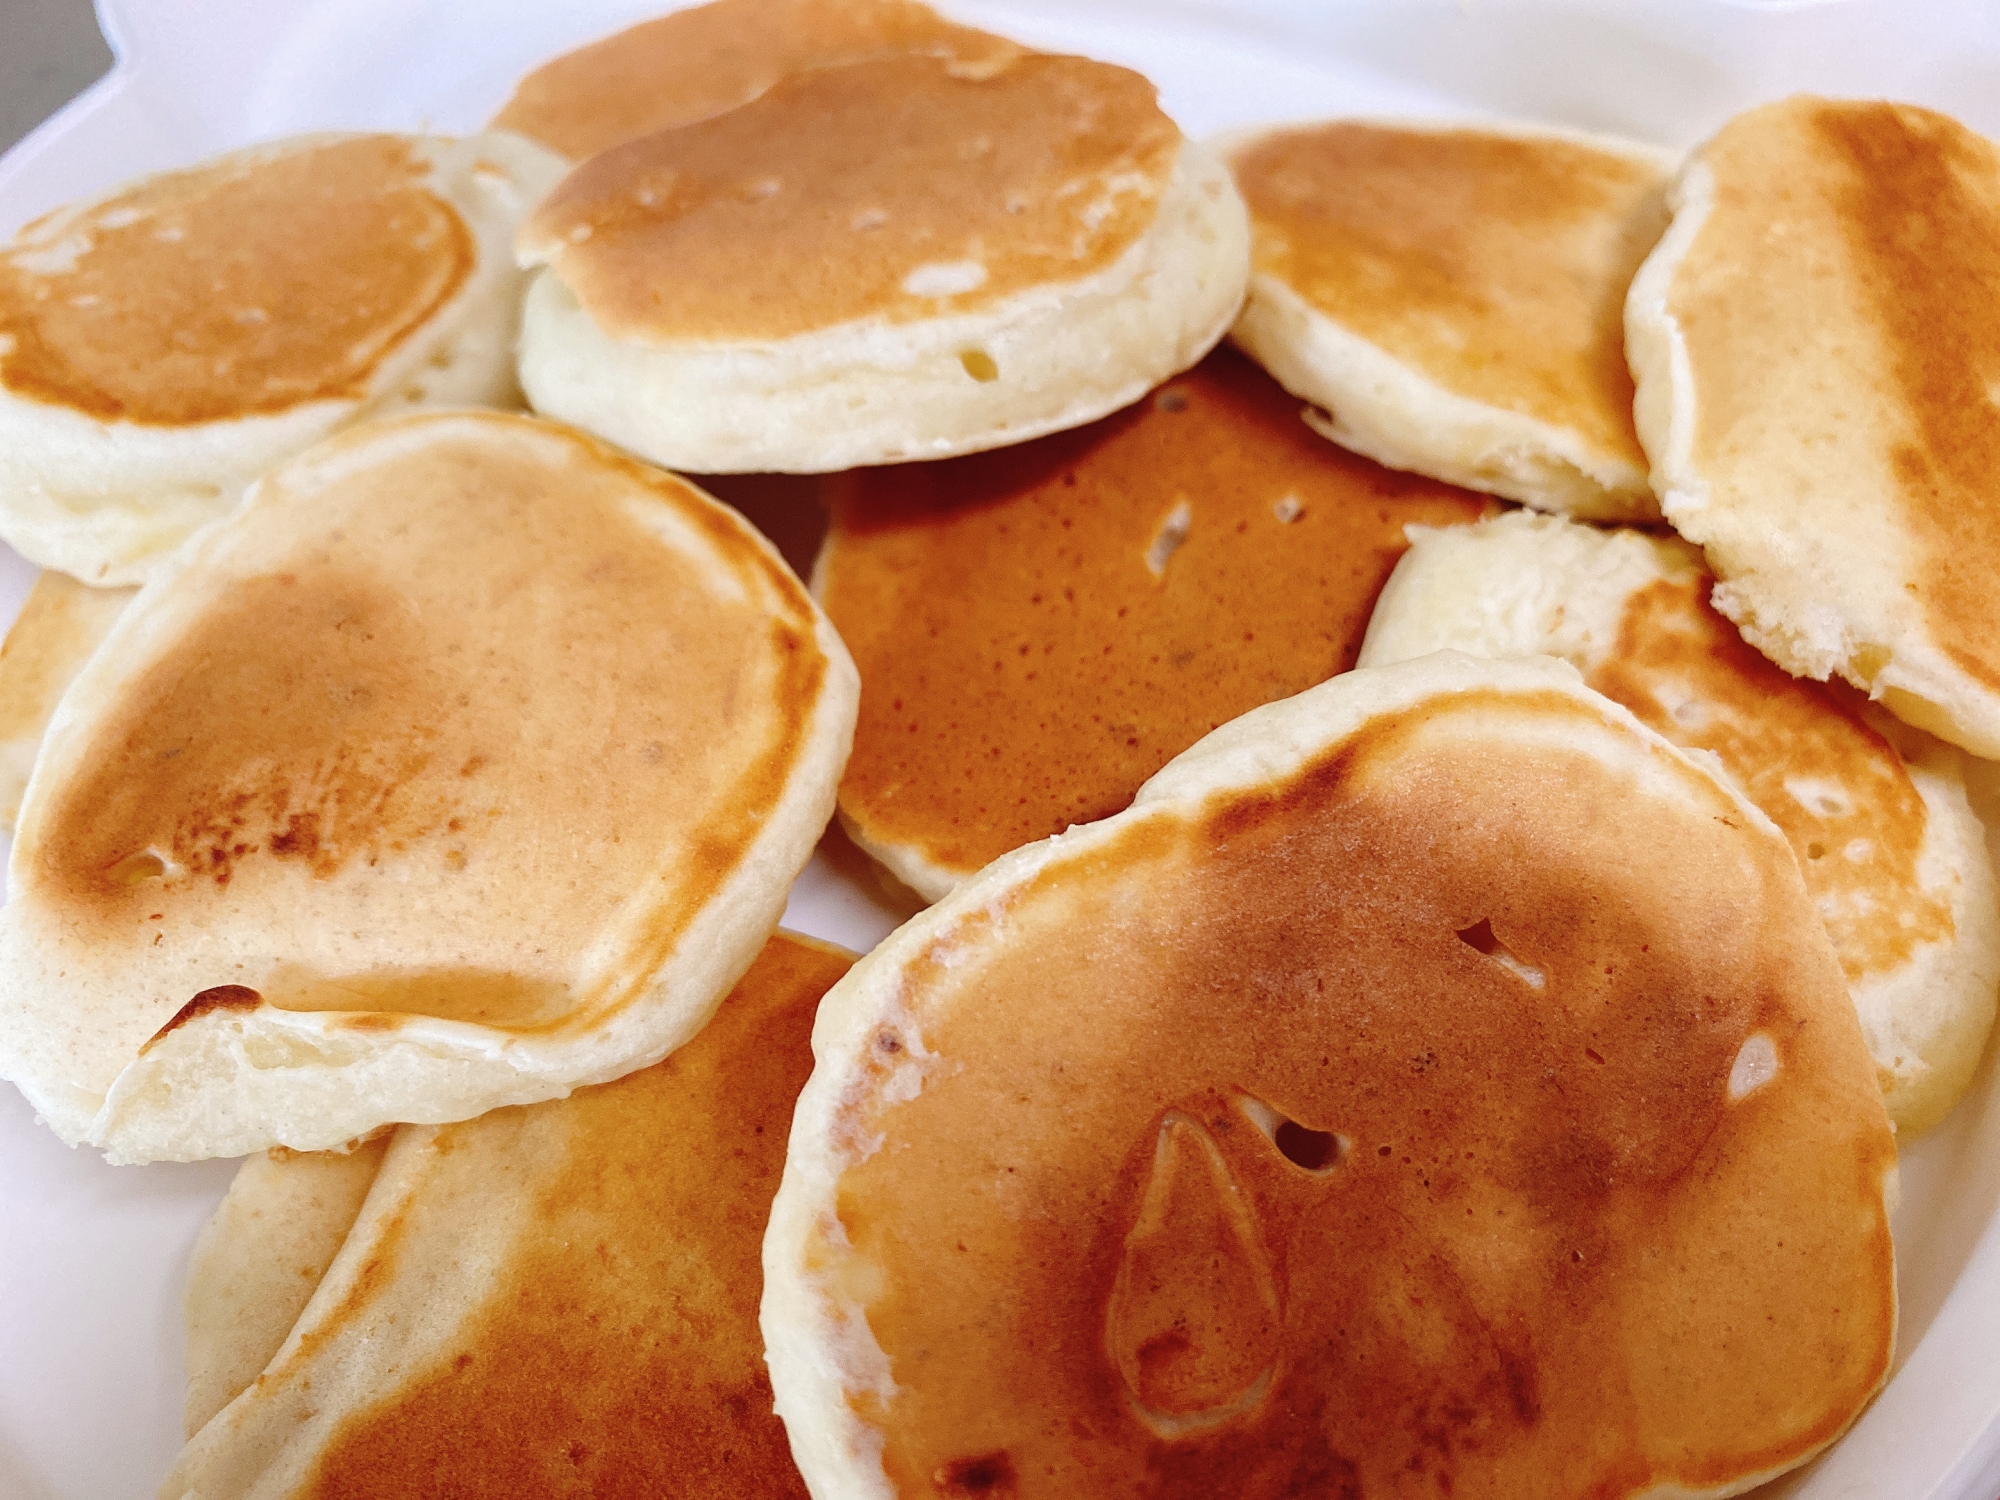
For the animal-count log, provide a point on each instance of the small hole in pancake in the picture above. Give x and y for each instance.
(1170, 400)
(1756, 1065)
(137, 869)
(986, 1474)
(1815, 851)
(1169, 538)
(979, 365)
(1288, 509)
(1479, 937)
(1313, 1150)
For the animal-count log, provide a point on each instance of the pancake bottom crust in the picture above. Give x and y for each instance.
(1875, 812)
(466, 762)
(1041, 628)
(1452, 299)
(550, 1300)
(1435, 1083)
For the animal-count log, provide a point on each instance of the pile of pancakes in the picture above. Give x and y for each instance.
(1446, 817)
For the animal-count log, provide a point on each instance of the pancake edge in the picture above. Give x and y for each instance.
(785, 406)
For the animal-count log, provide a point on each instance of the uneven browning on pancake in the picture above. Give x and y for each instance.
(899, 188)
(700, 62)
(1041, 628)
(467, 746)
(1891, 853)
(1454, 298)
(48, 643)
(566, 1294)
(1812, 430)
(117, 315)
(1435, 1084)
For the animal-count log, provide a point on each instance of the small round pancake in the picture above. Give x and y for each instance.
(684, 67)
(1814, 343)
(901, 258)
(58, 627)
(1453, 298)
(554, 1300)
(467, 762)
(1875, 812)
(163, 345)
(1040, 629)
(1434, 1084)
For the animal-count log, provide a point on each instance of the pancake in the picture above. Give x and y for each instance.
(1040, 629)
(163, 345)
(559, 1299)
(1876, 813)
(677, 69)
(1453, 298)
(1814, 343)
(467, 762)
(900, 258)
(1434, 1084)
(58, 627)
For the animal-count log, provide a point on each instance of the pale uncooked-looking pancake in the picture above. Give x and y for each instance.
(559, 1299)
(1041, 628)
(676, 69)
(1815, 343)
(58, 627)
(467, 762)
(1453, 298)
(1875, 812)
(163, 345)
(900, 258)
(1436, 1083)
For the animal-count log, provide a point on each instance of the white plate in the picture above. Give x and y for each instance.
(91, 1257)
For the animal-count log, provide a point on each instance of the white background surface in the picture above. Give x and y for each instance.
(91, 1257)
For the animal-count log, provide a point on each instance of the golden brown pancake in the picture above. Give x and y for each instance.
(162, 345)
(1434, 1084)
(898, 258)
(1454, 298)
(1041, 628)
(1815, 343)
(557, 1299)
(1875, 813)
(469, 761)
(58, 627)
(699, 62)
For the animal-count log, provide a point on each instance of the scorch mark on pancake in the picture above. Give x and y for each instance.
(220, 997)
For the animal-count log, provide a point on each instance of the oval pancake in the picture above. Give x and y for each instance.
(1040, 629)
(1810, 425)
(1876, 813)
(1452, 298)
(1434, 1084)
(676, 69)
(163, 345)
(467, 762)
(59, 625)
(552, 1300)
(899, 258)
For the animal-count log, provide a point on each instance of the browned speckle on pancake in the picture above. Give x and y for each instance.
(1919, 216)
(1023, 668)
(245, 287)
(699, 62)
(899, 188)
(1802, 751)
(219, 997)
(1558, 1260)
(1494, 265)
(464, 642)
(618, 1354)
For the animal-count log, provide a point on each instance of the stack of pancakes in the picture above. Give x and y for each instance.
(1421, 994)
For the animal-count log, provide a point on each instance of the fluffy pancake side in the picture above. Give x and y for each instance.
(163, 345)
(467, 762)
(1041, 628)
(559, 1298)
(58, 627)
(1452, 297)
(1810, 424)
(890, 260)
(1432, 1081)
(684, 67)
(1876, 813)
